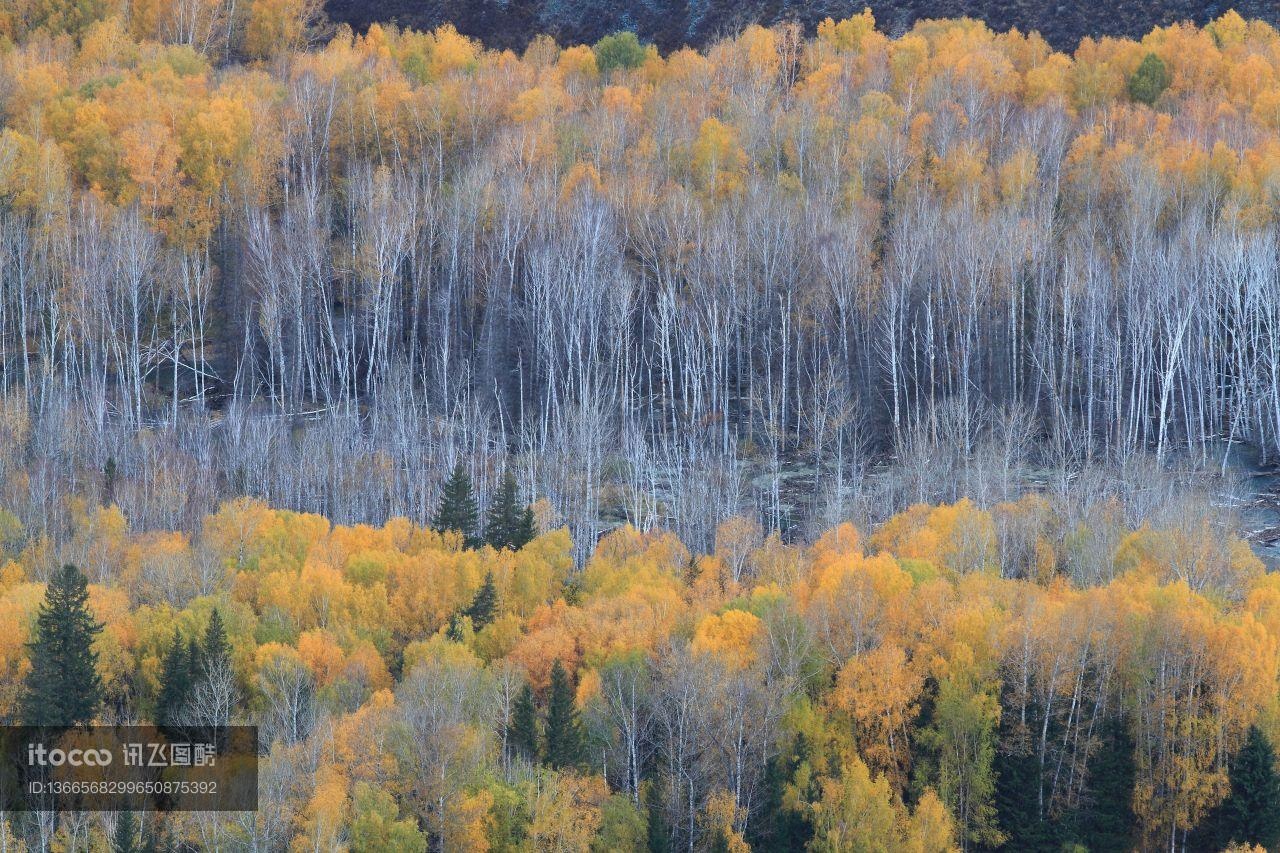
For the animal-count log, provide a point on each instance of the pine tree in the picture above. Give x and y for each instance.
(1149, 81)
(1107, 820)
(175, 682)
(109, 482)
(1251, 812)
(195, 666)
(126, 835)
(782, 827)
(457, 511)
(526, 529)
(1020, 808)
(659, 828)
(154, 838)
(522, 734)
(63, 687)
(485, 605)
(564, 732)
(502, 525)
(215, 650)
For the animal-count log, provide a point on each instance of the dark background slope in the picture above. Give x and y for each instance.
(673, 23)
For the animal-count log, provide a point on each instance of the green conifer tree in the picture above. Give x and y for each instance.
(109, 482)
(959, 748)
(1107, 821)
(154, 839)
(459, 628)
(1019, 789)
(526, 529)
(502, 527)
(125, 839)
(215, 649)
(522, 734)
(1149, 81)
(563, 736)
(457, 510)
(63, 687)
(1251, 812)
(782, 827)
(659, 829)
(175, 682)
(195, 665)
(485, 604)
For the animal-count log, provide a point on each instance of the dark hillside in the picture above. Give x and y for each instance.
(673, 23)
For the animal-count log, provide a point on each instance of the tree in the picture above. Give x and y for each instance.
(507, 525)
(523, 733)
(215, 650)
(720, 819)
(622, 826)
(109, 481)
(277, 25)
(1017, 793)
(563, 736)
(856, 812)
(618, 50)
(526, 528)
(63, 687)
(377, 827)
(1149, 81)
(1107, 821)
(175, 682)
(1250, 815)
(931, 829)
(214, 693)
(962, 737)
(154, 837)
(125, 839)
(485, 604)
(457, 511)
(784, 823)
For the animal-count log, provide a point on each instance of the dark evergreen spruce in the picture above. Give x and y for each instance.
(564, 732)
(215, 650)
(526, 529)
(457, 509)
(175, 682)
(109, 482)
(1018, 792)
(1106, 821)
(125, 839)
(154, 839)
(508, 525)
(1251, 812)
(660, 840)
(1149, 81)
(195, 667)
(485, 605)
(719, 842)
(785, 829)
(522, 735)
(63, 687)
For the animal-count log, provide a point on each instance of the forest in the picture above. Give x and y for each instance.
(672, 24)
(801, 442)
(807, 279)
(941, 684)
